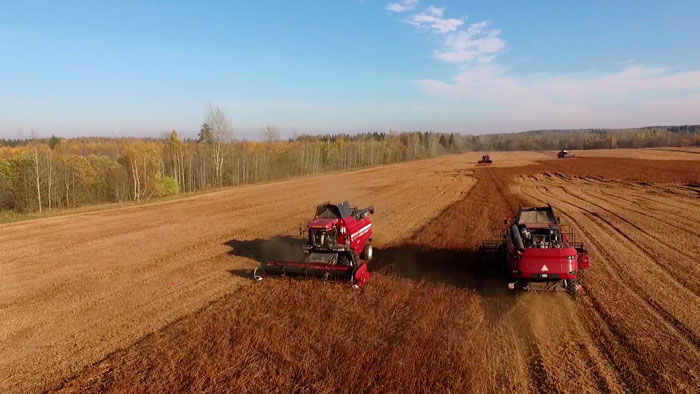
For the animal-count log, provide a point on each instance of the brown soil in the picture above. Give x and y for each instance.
(77, 287)
(684, 153)
(659, 171)
(432, 319)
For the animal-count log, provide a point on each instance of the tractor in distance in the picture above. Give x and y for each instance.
(565, 154)
(485, 160)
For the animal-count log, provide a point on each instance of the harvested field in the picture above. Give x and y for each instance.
(431, 318)
(77, 287)
(660, 171)
(642, 305)
(684, 153)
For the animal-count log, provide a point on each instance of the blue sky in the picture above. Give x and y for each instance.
(139, 68)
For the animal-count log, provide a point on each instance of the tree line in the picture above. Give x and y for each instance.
(39, 175)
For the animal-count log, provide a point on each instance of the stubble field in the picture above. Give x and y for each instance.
(158, 298)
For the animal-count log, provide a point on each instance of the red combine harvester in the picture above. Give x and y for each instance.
(537, 254)
(485, 159)
(565, 154)
(338, 246)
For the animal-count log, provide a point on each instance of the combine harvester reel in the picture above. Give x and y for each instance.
(337, 247)
(535, 253)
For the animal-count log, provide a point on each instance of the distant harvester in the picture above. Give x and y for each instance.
(485, 160)
(565, 154)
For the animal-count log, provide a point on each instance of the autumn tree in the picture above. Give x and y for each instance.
(53, 142)
(144, 163)
(443, 141)
(22, 180)
(221, 131)
(5, 184)
(205, 134)
(41, 174)
(37, 167)
(175, 152)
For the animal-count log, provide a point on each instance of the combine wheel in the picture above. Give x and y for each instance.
(258, 277)
(572, 287)
(367, 253)
(503, 255)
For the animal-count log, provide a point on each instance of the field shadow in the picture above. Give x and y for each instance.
(259, 250)
(458, 268)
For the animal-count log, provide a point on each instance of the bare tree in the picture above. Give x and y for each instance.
(35, 159)
(270, 133)
(131, 153)
(221, 131)
(175, 149)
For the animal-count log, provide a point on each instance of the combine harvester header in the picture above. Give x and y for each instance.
(338, 246)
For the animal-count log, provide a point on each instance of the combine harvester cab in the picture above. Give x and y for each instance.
(537, 254)
(338, 246)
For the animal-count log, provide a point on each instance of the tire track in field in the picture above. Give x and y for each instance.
(486, 201)
(633, 380)
(640, 248)
(680, 224)
(682, 328)
(595, 350)
(677, 324)
(655, 308)
(635, 376)
(671, 368)
(635, 226)
(690, 286)
(591, 355)
(546, 373)
(538, 375)
(640, 295)
(652, 257)
(609, 341)
(661, 200)
(670, 202)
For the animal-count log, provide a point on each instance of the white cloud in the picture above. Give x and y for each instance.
(402, 6)
(484, 96)
(626, 63)
(492, 83)
(436, 11)
(485, 59)
(478, 42)
(432, 18)
(633, 96)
